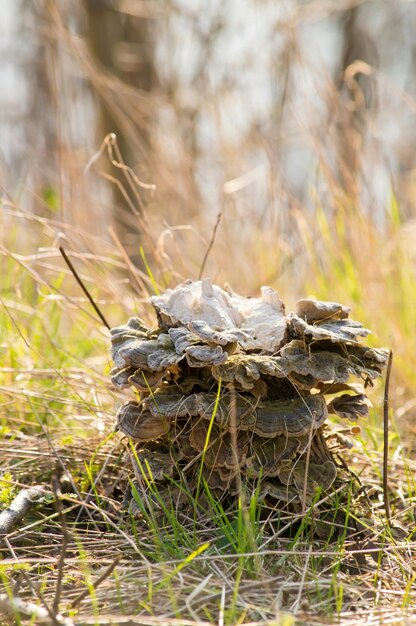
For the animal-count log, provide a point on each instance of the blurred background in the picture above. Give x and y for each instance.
(257, 103)
(252, 141)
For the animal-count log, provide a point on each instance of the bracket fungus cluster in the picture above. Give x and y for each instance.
(232, 388)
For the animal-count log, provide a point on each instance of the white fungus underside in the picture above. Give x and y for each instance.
(256, 323)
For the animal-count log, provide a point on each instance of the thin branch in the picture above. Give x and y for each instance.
(83, 287)
(56, 620)
(386, 438)
(211, 243)
(20, 506)
(65, 542)
(97, 582)
(12, 606)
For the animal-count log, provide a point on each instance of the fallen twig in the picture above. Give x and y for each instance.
(16, 604)
(65, 542)
(20, 506)
(10, 606)
(97, 582)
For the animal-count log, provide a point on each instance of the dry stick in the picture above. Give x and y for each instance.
(211, 243)
(11, 606)
(386, 438)
(20, 506)
(65, 541)
(97, 582)
(307, 461)
(57, 620)
(83, 287)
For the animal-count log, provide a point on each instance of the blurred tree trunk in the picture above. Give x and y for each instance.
(122, 47)
(359, 98)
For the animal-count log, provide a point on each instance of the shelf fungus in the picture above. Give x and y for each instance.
(232, 390)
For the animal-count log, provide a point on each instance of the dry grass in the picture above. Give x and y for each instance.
(287, 576)
(57, 421)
